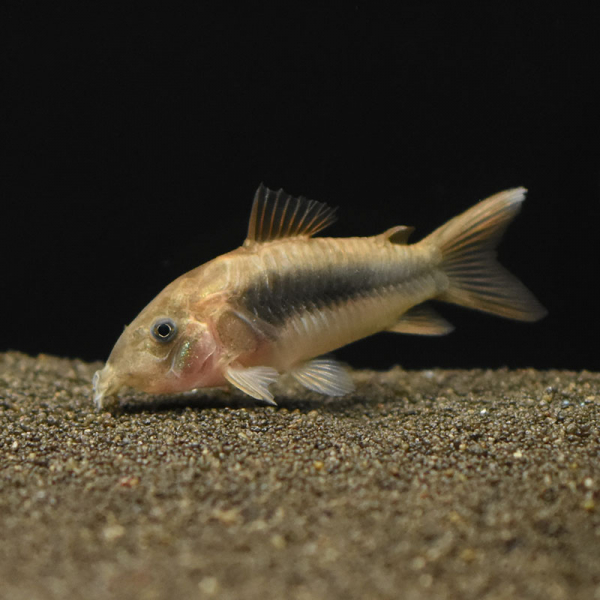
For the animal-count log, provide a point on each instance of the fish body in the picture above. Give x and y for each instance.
(285, 298)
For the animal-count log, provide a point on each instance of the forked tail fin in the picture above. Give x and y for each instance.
(467, 244)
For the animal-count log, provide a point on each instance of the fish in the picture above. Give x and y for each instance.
(284, 300)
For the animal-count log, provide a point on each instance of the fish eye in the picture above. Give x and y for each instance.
(164, 330)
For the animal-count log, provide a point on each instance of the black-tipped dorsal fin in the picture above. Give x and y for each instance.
(277, 215)
(397, 235)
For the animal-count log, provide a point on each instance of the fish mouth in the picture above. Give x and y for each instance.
(105, 385)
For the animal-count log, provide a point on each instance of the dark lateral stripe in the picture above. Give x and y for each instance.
(289, 293)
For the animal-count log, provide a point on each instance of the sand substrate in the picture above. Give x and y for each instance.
(421, 484)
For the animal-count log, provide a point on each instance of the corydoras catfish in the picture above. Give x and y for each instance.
(284, 299)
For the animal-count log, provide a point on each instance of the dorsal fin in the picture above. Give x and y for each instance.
(277, 215)
(398, 234)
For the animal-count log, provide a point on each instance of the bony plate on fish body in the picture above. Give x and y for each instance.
(285, 298)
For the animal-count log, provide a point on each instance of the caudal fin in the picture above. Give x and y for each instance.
(467, 244)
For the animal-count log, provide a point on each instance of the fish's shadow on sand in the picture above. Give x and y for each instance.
(287, 403)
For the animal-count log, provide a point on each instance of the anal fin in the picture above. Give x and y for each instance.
(324, 375)
(422, 320)
(253, 381)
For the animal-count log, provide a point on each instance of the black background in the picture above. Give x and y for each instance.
(136, 138)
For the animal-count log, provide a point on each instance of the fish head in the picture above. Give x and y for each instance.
(167, 348)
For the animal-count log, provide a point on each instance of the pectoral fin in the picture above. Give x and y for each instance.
(253, 381)
(324, 375)
(422, 320)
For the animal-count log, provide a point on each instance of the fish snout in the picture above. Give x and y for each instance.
(105, 385)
